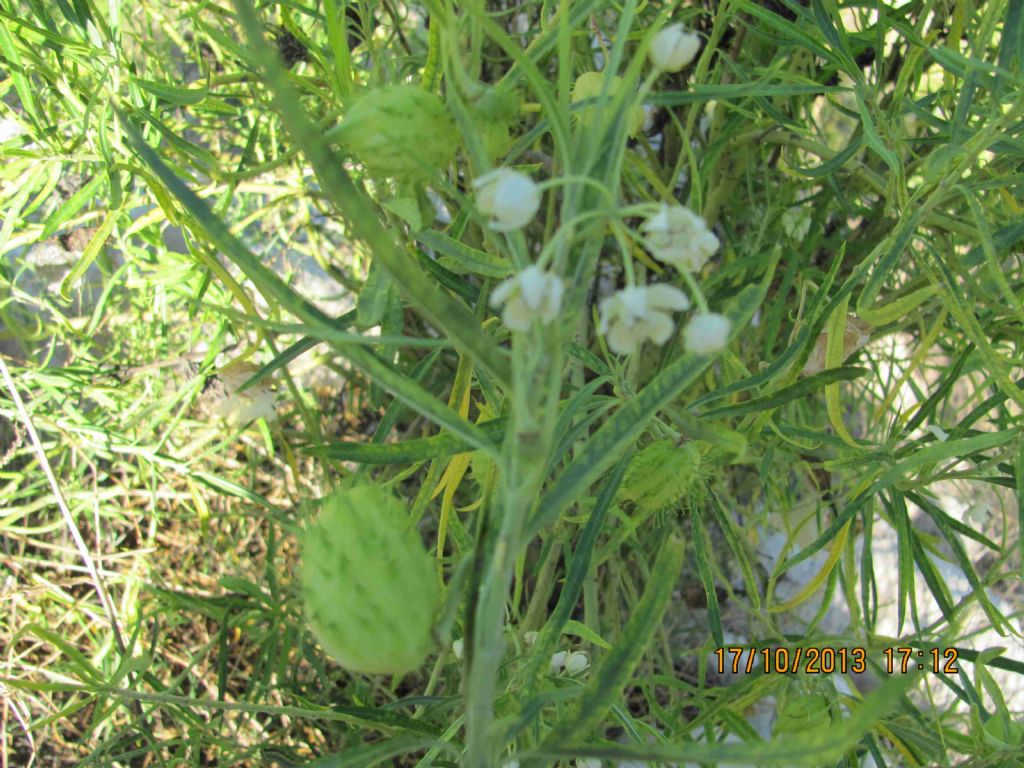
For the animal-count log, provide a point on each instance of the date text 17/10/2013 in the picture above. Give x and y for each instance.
(826, 660)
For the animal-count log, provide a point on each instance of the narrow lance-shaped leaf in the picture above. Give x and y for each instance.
(271, 286)
(362, 217)
(607, 444)
(614, 670)
(816, 747)
(578, 568)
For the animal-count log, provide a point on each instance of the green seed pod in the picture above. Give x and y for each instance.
(589, 86)
(370, 589)
(401, 131)
(662, 474)
(494, 112)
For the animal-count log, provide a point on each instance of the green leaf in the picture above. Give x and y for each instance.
(584, 632)
(406, 451)
(71, 206)
(605, 446)
(92, 250)
(798, 391)
(1019, 472)
(944, 451)
(739, 551)
(362, 217)
(277, 292)
(1011, 44)
(579, 567)
(470, 259)
(374, 297)
(293, 352)
(612, 673)
(174, 94)
(700, 547)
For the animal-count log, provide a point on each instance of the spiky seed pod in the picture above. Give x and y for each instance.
(662, 474)
(370, 589)
(401, 131)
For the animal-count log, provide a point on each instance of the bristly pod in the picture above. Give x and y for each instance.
(401, 131)
(370, 588)
(663, 474)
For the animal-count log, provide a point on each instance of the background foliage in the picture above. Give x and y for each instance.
(167, 191)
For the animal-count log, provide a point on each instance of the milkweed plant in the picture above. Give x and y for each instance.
(669, 318)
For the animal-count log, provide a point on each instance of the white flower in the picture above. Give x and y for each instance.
(678, 236)
(634, 315)
(940, 434)
(796, 222)
(529, 295)
(530, 637)
(558, 661)
(673, 48)
(458, 648)
(257, 402)
(576, 662)
(706, 332)
(508, 197)
(588, 762)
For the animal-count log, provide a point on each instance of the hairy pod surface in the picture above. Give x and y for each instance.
(401, 131)
(369, 586)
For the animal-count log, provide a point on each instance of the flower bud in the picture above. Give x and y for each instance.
(508, 197)
(369, 586)
(706, 333)
(576, 662)
(673, 48)
(558, 661)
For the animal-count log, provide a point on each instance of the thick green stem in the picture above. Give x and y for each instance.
(536, 378)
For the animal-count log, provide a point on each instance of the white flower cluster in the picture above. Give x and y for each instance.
(675, 235)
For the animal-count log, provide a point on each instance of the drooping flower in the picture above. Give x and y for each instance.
(532, 294)
(673, 48)
(576, 662)
(637, 314)
(678, 236)
(707, 332)
(509, 198)
(558, 661)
